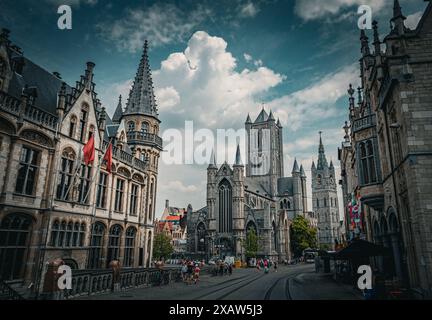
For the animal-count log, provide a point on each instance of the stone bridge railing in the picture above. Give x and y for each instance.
(91, 282)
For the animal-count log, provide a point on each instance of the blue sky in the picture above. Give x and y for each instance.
(297, 57)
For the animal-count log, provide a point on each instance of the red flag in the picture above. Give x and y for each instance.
(89, 151)
(108, 158)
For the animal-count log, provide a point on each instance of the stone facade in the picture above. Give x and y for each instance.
(51, 204)
(261, 198)
(386, 158)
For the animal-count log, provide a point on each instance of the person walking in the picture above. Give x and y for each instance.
(196, 275)
(275, 266)
(230, 269)
(266, 270)
(184, 271)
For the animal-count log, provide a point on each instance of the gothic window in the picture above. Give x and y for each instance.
(317, 203)
(114, 243)
(144, 127)
(325, 202)
(201, 233)
(129, 247)
(72, 126)
(225, 206)
(75, 235)
(83, 121)
(133, 200)
(260, 138)
(68, 239)
(65, 175)
(319, 179)
(281, 205)
(151, 200)
(367, 163)
(131, 126)
(96, 245)
(55, 231)
(102, 190)
(81, 235)
(14, 234)
(28, 168)
(118, 204)
(84, 184)
(274, 239)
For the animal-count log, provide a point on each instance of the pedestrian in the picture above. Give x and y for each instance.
(190, 268)
(196, 274)
(184, 271)
(230, 269)
(221, 268)
(275, 266)
(266, 270)
(258, 265)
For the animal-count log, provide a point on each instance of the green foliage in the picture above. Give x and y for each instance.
(302, 235)
(251, 244)
(162, 246)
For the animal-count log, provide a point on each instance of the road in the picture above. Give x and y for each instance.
(290, 282)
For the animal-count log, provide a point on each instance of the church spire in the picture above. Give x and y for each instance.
(322, 161)
(295, 167)
(398, 18)
(365, 50)
(141, 98)
(238, 161)
(212, 163)
(118, 112)
(248, 119)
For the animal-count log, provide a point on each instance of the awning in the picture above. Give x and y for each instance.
(360, 249)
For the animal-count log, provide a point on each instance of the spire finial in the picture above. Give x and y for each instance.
(377, 42)
(322, 161)
(212, 163)
(364, 43)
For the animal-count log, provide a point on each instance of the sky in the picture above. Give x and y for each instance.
(213, 62)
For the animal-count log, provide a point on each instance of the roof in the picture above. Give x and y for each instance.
(254, 186)
(47, 85)
(262, 117)
(285, 185)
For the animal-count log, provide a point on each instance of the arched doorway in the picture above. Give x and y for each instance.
(14, 238)
(396, 244)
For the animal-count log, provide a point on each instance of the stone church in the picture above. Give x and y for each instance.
(256, 196)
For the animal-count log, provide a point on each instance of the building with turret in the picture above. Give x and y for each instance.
(255, 195)
(325, 200)
(52, 203)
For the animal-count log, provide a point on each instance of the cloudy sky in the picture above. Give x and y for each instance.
(213, 63)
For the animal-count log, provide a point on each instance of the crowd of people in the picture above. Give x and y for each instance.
(266, 264)
(191, 271)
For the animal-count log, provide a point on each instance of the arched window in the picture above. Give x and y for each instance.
(281, 205)
(84, 183)
(82, 235)
(201, 237)
(96, 245)
(14, 234)
(55, 230)
(69, 230)
(27, 171)
(131, 126)
(325, 202)
(114, 243)
(275, 239)
(72, 126)
(83, 121)
(144, 127)
(65, 175)
(75, 234)
(367, 162)
(317, 203)
(225, 206)
(129, 247)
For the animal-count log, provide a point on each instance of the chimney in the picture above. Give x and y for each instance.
(166, 203)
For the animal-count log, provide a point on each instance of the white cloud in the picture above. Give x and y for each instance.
(210, 89)
(413, 19)
(249, 10)
(317, 9)
(316, 102)
(247, 57)
(178, 186)
(160, 24)
(167, 98)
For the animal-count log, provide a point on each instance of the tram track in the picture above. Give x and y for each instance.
(288, 279)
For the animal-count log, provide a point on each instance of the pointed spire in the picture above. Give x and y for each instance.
(302, 172)
(377, 42)
(248, 119)
(313, 165)
(322, 161)
(263, 116)
(141, 98)
(295, 167)
(238, 161)
(118, 112)
(398, 18)
(331, 164)
(397, 11)
(279, 123)
(212, 164)
(271, 117)
(364, 43)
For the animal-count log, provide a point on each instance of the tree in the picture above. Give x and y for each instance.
(302, 235)
(251, 244)
(162, 246)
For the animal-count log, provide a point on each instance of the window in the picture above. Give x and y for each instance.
(27, 171)
(114, 243)
(150, 215)
(325, 202)
(118, 204)
(65, 176)
(319, 179)
(367, 163)
(144, 127)
(69, 230)
(83, 122)
(75, 235)
(72, 127)
(134, 200)
(84, 185)
(55, 231)
(131, 126)
(317, 203)
(129, 247)
(81, 235)
(14, 234)
(101, 191)
(225, 206)
(96, 245)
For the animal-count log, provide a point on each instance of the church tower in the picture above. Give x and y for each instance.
(324, 199)
(264, 151)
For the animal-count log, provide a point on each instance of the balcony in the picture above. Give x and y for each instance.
(364, 123)
(31, 113)
(127, 158)
(138, 137)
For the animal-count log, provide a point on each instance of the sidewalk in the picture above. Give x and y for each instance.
(321, 286)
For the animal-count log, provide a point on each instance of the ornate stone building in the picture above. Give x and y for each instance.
(260, 198)
(386, 158)
(324, 200)
(52, 205)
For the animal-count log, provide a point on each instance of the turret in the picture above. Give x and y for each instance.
(61, 102)
(398, 19)
(102, 122)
